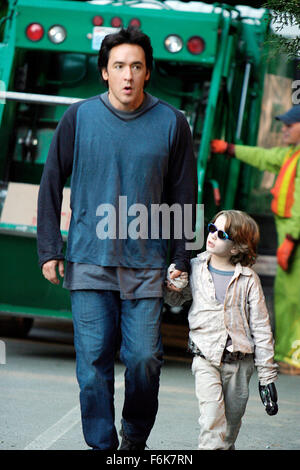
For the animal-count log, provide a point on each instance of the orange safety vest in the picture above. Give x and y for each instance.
(283, 190)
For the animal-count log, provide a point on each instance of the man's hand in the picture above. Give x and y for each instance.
(218, 146)
(49, 270)
(173, 275)
(284, 252)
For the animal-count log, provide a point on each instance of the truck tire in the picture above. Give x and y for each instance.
(17, 327)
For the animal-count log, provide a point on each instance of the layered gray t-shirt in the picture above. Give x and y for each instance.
(132, 283)
(221, 280)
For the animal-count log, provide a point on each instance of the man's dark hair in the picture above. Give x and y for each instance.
(131, 35)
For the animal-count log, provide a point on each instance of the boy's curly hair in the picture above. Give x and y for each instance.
(244, 232)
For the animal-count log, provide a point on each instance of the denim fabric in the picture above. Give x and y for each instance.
(96, 317)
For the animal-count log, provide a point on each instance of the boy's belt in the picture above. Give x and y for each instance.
(229, 356)
(234, 356)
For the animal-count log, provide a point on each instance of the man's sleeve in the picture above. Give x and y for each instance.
(182, 190)
(57, 169)
(261, 333)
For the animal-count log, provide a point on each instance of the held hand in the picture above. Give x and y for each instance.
(50, 272)
(218, 146)
(173, 275)
(174, 286)
(268, 395)
(284, 252)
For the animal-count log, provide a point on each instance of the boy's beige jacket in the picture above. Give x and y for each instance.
(243, 316)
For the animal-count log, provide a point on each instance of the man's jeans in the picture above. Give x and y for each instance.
(96, 317)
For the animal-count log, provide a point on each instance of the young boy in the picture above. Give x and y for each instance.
(230, 330)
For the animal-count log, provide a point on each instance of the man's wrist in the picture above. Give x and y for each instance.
(181, 265)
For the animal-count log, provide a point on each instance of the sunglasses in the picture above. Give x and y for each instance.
(221, 234)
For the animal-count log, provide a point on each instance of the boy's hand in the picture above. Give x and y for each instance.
(173, 275)
(178, 284)
(268, 395)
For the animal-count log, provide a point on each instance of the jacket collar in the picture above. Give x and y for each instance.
(205, 256)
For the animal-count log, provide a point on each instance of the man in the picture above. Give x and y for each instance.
(124, 145)
(283, 161)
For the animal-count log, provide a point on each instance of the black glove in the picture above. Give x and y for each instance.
(268, 395)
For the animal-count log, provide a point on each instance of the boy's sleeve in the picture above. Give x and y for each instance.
(176, 299)
(261, 332)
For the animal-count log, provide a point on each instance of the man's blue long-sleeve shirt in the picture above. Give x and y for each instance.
(148, 159)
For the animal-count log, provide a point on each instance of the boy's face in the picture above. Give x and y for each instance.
(216, 246)
(126, 74)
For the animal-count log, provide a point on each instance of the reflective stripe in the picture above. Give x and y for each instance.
(283, 190)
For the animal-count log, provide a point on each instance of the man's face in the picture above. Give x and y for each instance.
(291, 133)
(126, 73)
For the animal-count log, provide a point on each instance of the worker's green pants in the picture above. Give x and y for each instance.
(287, 306)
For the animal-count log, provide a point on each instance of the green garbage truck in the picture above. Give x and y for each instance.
(210, 62)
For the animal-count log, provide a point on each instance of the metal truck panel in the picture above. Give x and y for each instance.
(83, 37)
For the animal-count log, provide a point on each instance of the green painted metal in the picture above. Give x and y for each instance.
(211, 109)
(156, 23)
(207, 87)
(24, 310)
(22, 284)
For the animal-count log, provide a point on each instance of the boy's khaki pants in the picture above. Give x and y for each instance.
(222, 394)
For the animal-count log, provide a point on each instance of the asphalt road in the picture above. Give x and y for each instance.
(39, 400)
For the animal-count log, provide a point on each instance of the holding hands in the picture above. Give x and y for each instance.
(176, 280)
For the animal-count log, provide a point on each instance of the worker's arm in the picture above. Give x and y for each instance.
(259, 157)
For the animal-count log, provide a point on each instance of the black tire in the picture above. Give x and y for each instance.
(17, 327)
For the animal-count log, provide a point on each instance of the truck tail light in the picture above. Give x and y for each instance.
(173, 43)
(135, 23)
(116, 22)
(98, 20)
(196, 45)
(57, 34)
(35, 32)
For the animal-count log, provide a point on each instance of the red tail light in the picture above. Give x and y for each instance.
(135, 23)
(116, 22)
(196, 45)
(35, 32)
(98, 21)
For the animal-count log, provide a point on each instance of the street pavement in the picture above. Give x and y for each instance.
(39, 400)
